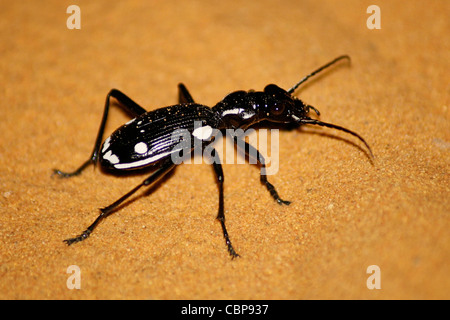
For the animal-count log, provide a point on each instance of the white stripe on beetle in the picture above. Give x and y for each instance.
(143, 162)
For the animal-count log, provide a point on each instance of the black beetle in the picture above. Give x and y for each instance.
(147, 139)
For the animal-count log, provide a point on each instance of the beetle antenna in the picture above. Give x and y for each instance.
(330, 125)
(291, 90)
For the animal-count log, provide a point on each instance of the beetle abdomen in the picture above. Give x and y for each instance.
(154, 136)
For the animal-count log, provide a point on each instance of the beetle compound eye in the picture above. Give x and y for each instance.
(277, 109)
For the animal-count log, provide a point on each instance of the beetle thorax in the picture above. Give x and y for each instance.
(241, 109)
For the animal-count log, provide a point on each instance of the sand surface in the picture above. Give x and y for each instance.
(347, 213)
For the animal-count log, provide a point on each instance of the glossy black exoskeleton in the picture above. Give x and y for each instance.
(147, 139)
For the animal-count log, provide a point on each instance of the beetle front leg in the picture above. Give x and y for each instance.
(125, 103)
(249, 149)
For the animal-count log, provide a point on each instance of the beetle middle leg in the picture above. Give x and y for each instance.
(166, 166)
(125, 103)
(185, 97)
(221, 214)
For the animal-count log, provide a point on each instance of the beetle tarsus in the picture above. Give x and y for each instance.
(77, 172)
(79, 238)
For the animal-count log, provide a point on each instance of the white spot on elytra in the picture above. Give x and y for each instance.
(131, 121)
(106, 144)
(111, 157)
(141, 148)
(203, 133)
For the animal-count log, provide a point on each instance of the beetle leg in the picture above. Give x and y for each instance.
(221, 215)
(167, 166)
(183, 94)
(250, 150)
(125, 103)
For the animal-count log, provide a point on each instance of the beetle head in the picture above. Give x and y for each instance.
(283, 107)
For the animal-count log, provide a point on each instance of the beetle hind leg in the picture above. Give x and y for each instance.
(166, 166)
(126, 104)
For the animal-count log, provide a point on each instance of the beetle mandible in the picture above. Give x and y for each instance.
(146, 139)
